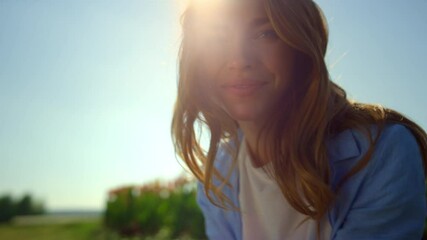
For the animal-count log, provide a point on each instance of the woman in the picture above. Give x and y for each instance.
(289, 156)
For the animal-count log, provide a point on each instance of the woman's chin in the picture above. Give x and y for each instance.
(244, 116)
(245, 112)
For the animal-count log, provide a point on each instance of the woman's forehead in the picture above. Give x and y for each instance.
(213, 12)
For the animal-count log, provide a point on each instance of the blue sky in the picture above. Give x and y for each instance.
(87, 87)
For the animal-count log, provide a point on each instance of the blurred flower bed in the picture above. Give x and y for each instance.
(169, 209)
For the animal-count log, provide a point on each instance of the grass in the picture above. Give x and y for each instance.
(55, 227)
(60, 228)
(66, 231)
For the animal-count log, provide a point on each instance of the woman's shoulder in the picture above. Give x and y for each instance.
(353, 143)
(386, 192)
(395, 151)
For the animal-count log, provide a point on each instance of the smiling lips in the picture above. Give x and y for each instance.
(243, 89)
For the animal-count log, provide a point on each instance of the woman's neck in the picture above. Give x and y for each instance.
(255, 145)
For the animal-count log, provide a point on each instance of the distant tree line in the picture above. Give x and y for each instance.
(11, 207)
(146, 210)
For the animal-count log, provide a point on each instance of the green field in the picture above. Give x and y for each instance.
(64, 228)
(57, 227)
(67, 231)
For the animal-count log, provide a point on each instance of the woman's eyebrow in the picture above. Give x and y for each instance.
(213, 24)
(257, 22)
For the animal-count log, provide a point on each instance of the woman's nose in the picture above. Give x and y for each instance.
(240, 54)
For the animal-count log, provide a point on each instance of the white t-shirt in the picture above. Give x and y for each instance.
(266, 214)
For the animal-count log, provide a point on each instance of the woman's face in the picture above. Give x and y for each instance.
(244, 64)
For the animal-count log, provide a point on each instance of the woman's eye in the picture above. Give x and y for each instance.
(267, 34)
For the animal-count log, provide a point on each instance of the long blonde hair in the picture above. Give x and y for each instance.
(319, 110)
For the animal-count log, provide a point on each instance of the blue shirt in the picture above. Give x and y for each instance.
(385, 200)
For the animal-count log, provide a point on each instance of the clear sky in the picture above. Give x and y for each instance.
(87, 87)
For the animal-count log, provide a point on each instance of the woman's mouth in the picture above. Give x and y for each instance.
(243, 89)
